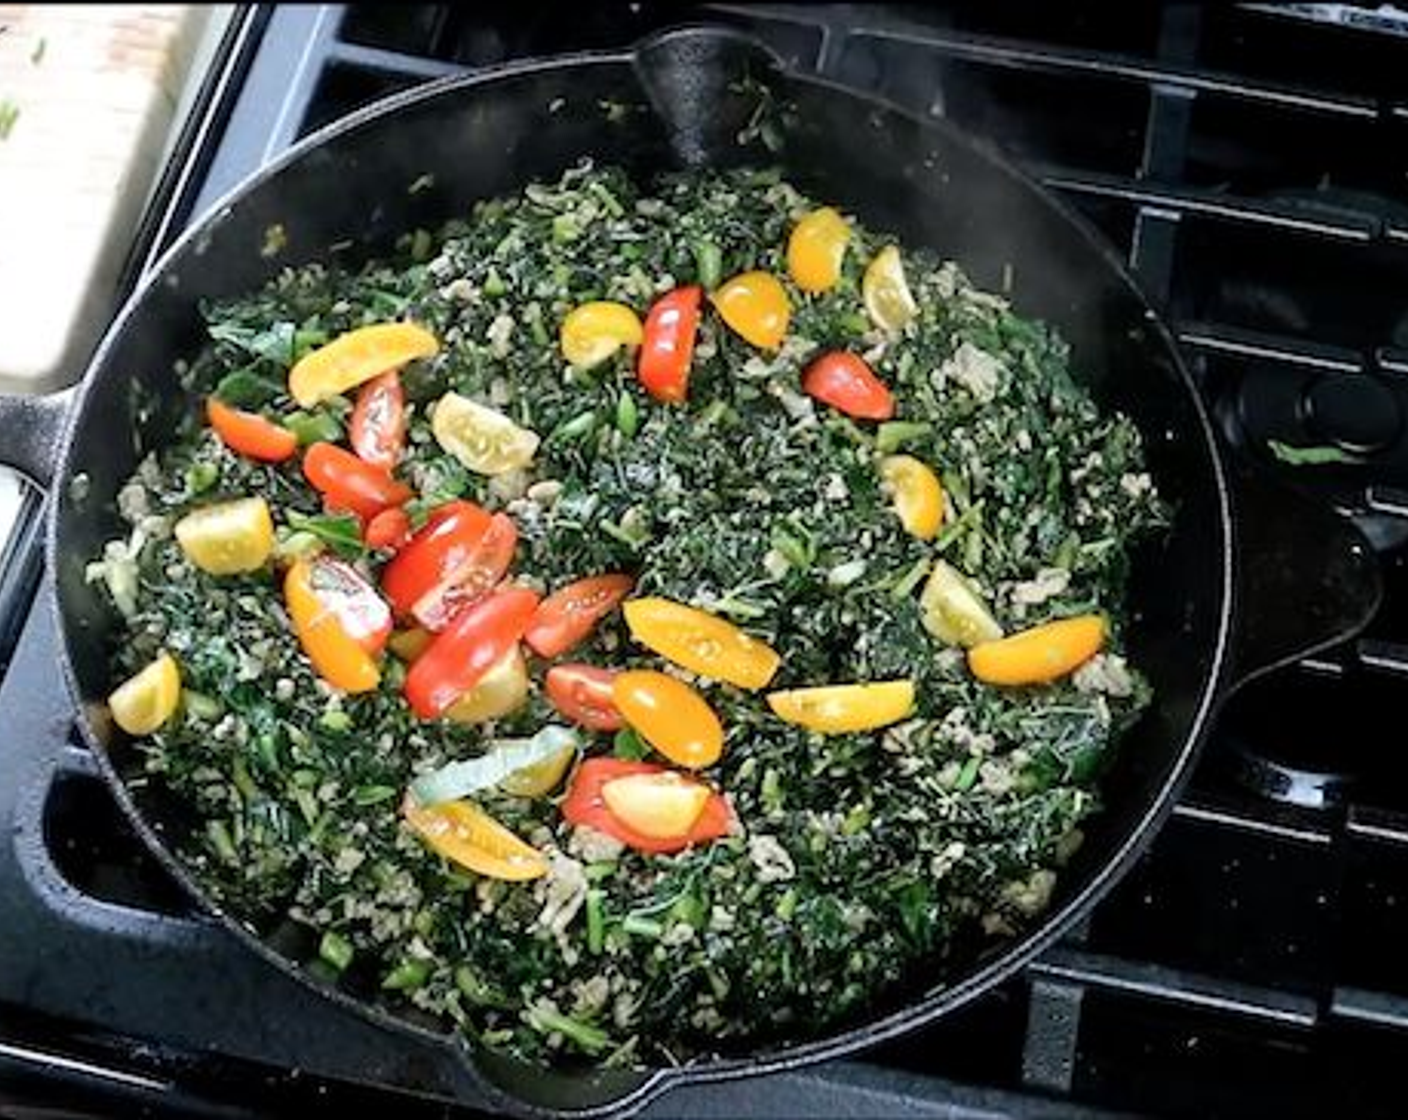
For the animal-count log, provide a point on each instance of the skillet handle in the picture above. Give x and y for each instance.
(31, 430)
(1306, 578)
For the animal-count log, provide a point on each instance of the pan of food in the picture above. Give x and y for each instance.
(644, 568)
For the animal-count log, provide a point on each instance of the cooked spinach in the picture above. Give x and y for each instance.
(861, 856)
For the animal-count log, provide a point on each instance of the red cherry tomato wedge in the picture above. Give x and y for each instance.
(582, 693)
(249, 434)
(667, 348)
(567, 616)
(347, 483)
(378, 429)
(585, 804)
(460, 554)
(460, 655)
(389, 529)
(846, 383)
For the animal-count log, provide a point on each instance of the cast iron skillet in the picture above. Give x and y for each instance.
(1225, 597)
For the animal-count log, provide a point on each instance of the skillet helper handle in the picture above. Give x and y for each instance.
(31, 430)
(1306, 578)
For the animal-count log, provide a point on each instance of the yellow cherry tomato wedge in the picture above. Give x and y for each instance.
(918, 496)
(593, 332)
(357, 356)
(755, 307)
(701, 643)
(885, 292)
(541, 778)
(1039, 655)
(816, 248)
(660, 806)
(144, 702)
(953, 611)
(840, 708)
(670, 716)
(465, 834)
(229, 537)
(500, 691)
(340, 621)
(483, 439)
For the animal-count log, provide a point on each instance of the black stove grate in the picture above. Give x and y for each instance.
(1250, 162)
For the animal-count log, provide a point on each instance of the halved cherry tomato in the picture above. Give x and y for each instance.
(355, 357)
(389, 529)
(340, 620)
(582, 693)
(469, 647)
(668, 346)
(670, 716)
(816, 249)
(347, 483)
(378, 429)
(567, 616)
(593, 332)
(1041, 654)
(249, 434)
(460, 554)
(755, 306)
(837, 709)
(465, 834)
(845, 382)
(701, 643)
(585, 805)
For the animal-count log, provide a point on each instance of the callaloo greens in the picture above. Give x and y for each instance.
(850, 858)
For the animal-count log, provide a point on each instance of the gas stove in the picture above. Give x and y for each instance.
(1249, 161)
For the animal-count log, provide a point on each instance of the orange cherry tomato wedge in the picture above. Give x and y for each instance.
(1041, 654)
(476, 639)
(668, 345)
(347, 483)
(378, 429)
(461, 553)
(567, 616)
(357, 356)
(701, 642)
(465, 834)
(249, 434)
(755, 307)
(340, 620)
(389, 529)
(845, 382)
(670, 716)
(585, 804)
(816, 249)
(582, 693)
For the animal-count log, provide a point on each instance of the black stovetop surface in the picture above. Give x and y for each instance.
(1251, 165)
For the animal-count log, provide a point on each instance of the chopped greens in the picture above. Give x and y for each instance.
(857, 858)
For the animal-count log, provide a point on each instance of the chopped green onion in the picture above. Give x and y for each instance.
(547, 1020)
(641, 926)
(335, 949)
(335, 720)
(407, 976)
(504, 757)
(218, 833)
(709, 264)
(894, 434)
(494, 284)
(596, 924)
(421, 245)
(968, 775)
(373, 795)
(200, 477)
(905, 585)
(786, 905)
(313, 427)
(627, 415)
(574, 428)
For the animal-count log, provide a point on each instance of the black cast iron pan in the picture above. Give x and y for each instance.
(1248, 579)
